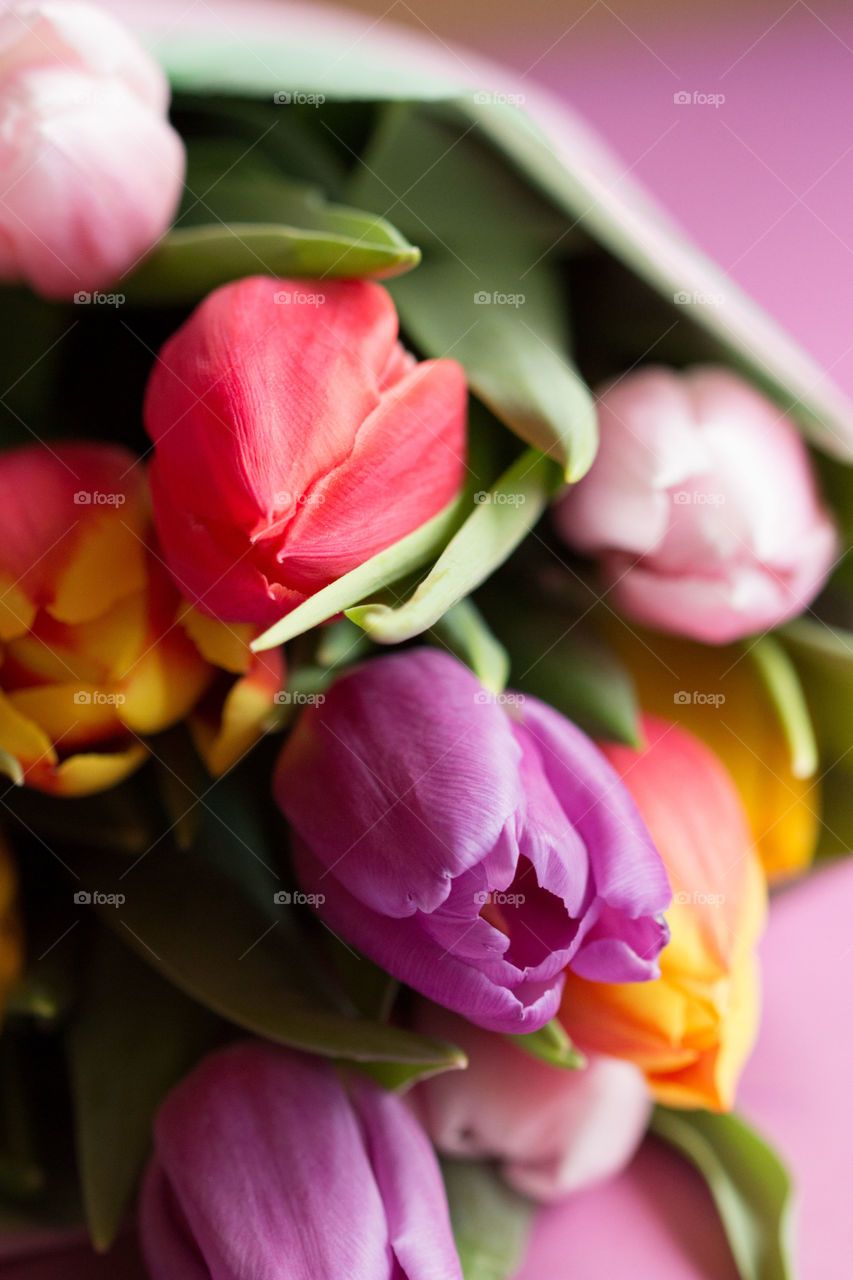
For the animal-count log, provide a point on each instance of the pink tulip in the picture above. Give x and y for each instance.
(295, 438)
(267, 1164)
(701, 506)
(552, 1131)
(92, 169)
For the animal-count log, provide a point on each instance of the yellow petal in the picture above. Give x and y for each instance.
(225, 645)
(108, 563)
(244, 716)
(164, 685)
(85, 774)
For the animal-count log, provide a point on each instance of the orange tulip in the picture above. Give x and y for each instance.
(717, 694)
(95, 653)
(690, 1030)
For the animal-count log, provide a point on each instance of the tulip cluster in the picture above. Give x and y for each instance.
(576, 916)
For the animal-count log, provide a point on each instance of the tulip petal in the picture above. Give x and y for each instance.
(406, 950)
(410, 1185)
(257, 1144)
(421, 759)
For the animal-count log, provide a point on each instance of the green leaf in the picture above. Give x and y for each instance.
(208, 920)
(410, 553)
(191, 261)
(503, 516)
(823, 657)
(488, 292)
(783, 686)
(464, 631)
(554, 659)
(551, 1044)
(490, 1222)
(133, 1037)
(749, 1184)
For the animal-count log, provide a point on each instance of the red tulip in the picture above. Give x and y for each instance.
(295, 438)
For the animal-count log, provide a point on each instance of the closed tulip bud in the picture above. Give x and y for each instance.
(701, 506)
(552, 1131)
(94, 655)
(691, 1030)
(294, 439)
(93, 171)
(258, 1146)
(472, 846)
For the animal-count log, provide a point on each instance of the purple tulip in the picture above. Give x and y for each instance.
(473, 846)
(268, 1164)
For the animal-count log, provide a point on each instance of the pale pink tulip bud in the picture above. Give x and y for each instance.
(552, 1131)
(92, 170)
(701, 506)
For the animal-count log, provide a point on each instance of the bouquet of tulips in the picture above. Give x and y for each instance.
(422, 617)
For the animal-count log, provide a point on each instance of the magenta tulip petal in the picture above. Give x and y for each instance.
(471, 852)
(409, 1183)
(259, 1149)
(419, 764)
(405, 948)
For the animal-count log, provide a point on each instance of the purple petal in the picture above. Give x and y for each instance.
(410, 1184)
(402, 779)
(257, 1144)
(405, 949)
(627, 868)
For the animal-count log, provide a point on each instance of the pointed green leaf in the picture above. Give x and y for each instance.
(133, 1037)
(504, 515)
(191, 261)
(749, 1183)
(551, 1044)
(783, 685)
(491, 1223)
(410, 553)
